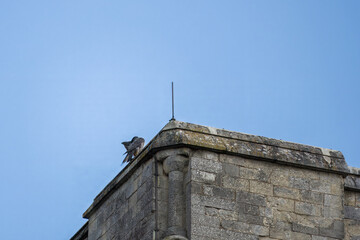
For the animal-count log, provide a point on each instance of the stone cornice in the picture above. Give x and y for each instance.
(352, 181)
(180, 134)
(262, 148)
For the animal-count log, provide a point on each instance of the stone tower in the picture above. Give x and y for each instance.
(201, 183)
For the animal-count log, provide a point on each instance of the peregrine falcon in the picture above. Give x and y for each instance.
(133, 148)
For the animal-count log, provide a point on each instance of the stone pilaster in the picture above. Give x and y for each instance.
(175, 163)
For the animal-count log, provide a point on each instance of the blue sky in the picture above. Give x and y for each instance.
(79, 77)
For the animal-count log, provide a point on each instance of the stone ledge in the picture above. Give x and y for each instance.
(352, 183)
(354, 171)
(251, 138)
(180, 134)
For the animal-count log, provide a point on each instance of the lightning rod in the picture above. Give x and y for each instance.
(172, 96)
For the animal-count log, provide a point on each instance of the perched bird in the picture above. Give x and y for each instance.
(133, 147)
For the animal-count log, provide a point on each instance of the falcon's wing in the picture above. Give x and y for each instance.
(126, 144)
(137, 143)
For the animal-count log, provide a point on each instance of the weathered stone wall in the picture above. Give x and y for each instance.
(194, 182)
(128, 213)
(237, 198)
(352, 207)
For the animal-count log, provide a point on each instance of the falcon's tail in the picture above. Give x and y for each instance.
(127, 158)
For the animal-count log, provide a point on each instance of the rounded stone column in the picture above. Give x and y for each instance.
(174, 162)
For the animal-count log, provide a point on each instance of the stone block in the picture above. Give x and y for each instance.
(352, 228)
(206, 154)
(288, 234)
(277, 233)
(210, 211)
(197, 237)
(228, 215)
(206, 231)
(204, 177)
(333, 213)
(299, 183)
(251, 219)
(283, 204)
(320, 186)
(147, 184)
(250, 198)
(196, 188)
(309, 174)
(219, 192)
(357, 196)
(333, 201)
(230, 235)
(254, 174)
(143, 201)
(147, 172)
(251, 209)
(213, 202)
(132, 186)
(310, 196)
(352, 212)
(266, 212)
(350, 198)
(280, 178)
(335, 230)
(235, 183)
(261, 188)
(205, 220)
(197, 209)
(307, 209)
(231, 169)
(298, 236)
(321, 238)
(245, 228)
(279, 225)
(305, 229)
(286, 192)
(337, 189)
(334, 181)
(221, 213)
(239, 161)
(205, 165)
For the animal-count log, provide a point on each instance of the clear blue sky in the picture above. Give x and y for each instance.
(79, 77)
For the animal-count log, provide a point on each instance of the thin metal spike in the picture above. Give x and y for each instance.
(172, 95)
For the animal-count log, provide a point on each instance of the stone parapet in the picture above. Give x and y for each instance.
(185, 134)
(197, 182)
(178, 134)
(352, 181)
